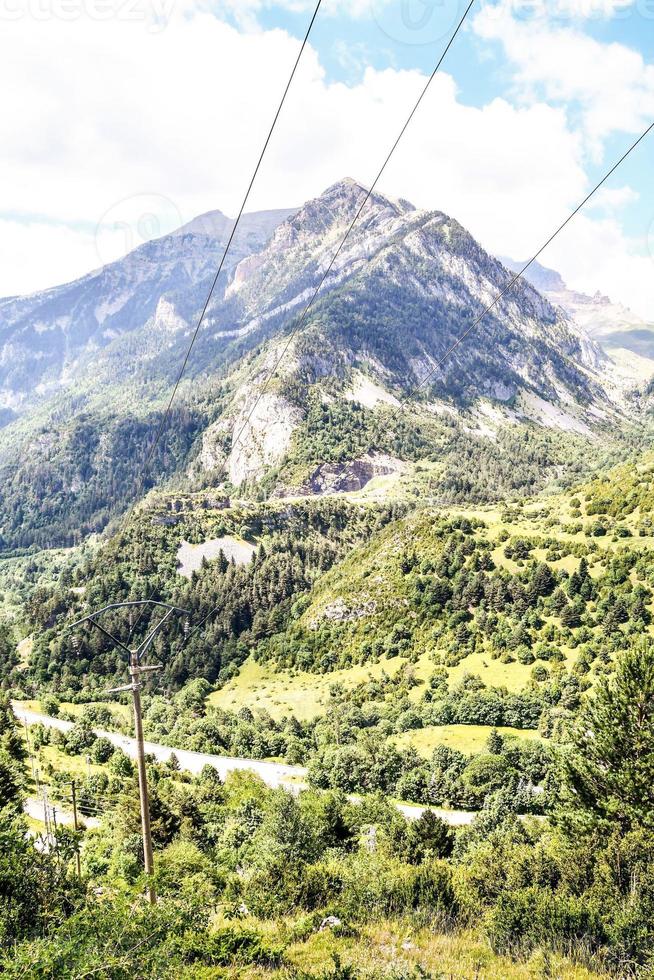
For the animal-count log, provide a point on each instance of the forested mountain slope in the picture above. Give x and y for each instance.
(501, 584)
(407, 284)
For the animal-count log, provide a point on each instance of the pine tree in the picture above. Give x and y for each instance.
(559, 601)
(494, 742)
(608, 772)
(570, 617)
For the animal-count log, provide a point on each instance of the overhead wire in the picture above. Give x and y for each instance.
(316, 292)
(518, 275)
(368, 194)
(496, 300)
(166, 416)
(246, 198)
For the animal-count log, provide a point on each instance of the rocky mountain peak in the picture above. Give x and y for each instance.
(338, 205)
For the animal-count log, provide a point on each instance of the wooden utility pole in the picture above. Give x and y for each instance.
(136, 670)
(46, 817)
(148, 857)
(76, 829)
(56, 834)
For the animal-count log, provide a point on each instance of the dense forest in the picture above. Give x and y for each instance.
(77, 477)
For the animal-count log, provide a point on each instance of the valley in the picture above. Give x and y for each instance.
(410, 591)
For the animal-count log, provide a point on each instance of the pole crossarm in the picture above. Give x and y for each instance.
(147, 642)
(114, 639)
(92, 620)
(126, 605)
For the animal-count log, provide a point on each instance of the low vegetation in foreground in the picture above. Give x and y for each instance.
(254, 881)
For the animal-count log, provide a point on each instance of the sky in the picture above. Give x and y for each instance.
(122, 119)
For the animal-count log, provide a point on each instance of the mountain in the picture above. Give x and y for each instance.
(50, 339)
(405, 287)
(90, 365)
(254, 228)
(625, 336)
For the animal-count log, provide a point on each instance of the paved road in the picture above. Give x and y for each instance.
(274, 774)
(33, 807)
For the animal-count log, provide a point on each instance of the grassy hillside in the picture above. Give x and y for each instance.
(379, 613)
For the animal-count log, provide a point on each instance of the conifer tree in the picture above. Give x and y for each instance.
(608, 769)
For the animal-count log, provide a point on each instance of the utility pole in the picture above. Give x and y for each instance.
(29, 752)
(46, 817)
(76, 829)
(148, 857)
(137, 671)
(56, 833)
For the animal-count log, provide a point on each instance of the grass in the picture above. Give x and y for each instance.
(49, 758)
(306, 695)
(397, 948)
(300, 693)
(493, 673)
(372, 571)
(465, 738)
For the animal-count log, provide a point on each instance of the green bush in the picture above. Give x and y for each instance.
(230, 946)
(525, 919)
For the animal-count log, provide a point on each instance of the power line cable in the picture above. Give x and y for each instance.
(231, 237)
(166, 416)
(366, 198)
(330, 266)
(491, 305)
(527, 265)
(343, 241)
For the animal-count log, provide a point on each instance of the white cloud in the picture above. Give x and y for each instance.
(100, 114)
(577, 9)
(38, 253)
(613, 198)
(245, 11)
(608, 84)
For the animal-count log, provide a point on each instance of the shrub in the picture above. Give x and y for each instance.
(50, 705)
(522, 920)
(102, 750)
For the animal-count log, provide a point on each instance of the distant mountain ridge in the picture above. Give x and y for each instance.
(45, 336)
(615, 327)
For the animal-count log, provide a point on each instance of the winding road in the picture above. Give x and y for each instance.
(33, 807)
(273, 774)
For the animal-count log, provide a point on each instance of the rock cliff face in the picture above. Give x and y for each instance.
(243, 446)
(345, 477)
(403, 289)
